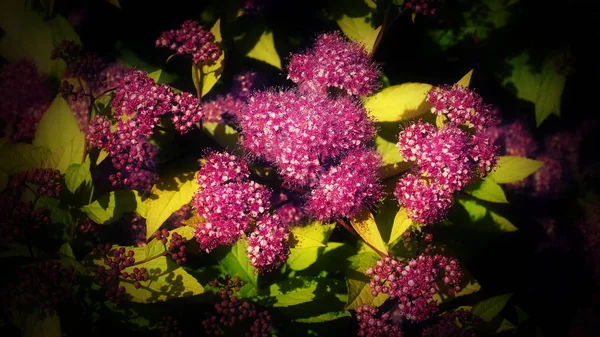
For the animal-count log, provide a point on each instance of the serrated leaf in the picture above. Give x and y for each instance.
(111, 206)
(465, 81)
(491, 307)
(312, 235)
(155, 247)
(398, 102)
(211, 73)
(486, 189)
(401, 224)
(359, 291)
(326, 317)
(359, 30)
(59, 132)
(234, 261)
(502, 223)
(264, 50)
(365, 226)
(77, 174)
(167, 197)
(3, 180)
(512, 168)
(302, 258)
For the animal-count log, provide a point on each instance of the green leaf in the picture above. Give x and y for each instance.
(66, 250)
(223, 134)
(399, 102)
(388, 151)
(505, 326)
(111, 206)
(41, 324)
(486, 189)
(19, 157)
(359, 30)
(474, 209)
(58, 215)
(264, 50)
(3, 180)
(28, 35)
(502, 223)
(312, 235)
(326, 317)
(552, 84)
(465, 81)
(211, 74)
(59, 132)
(77, 174)
(155, 247)
(491, 307)
(302, 258)
(155, 75)
(359, 291)
(293, 291)
(525, 81)
(512, 168)
(185, 231)
(234, 261)
(167, 196)
(401, 224)
(365, 226)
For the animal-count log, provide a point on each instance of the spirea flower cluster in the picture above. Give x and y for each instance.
(414, 284)
(373, 324)
(227, 108)
(336, 62)
(26, 95)
(447, 158)
(230, 205)
(192, 39)
(424, 7)
(458, 323)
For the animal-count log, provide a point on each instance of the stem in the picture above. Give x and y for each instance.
(104, 93)
(384, 26)
(197, 74)
(149, 259)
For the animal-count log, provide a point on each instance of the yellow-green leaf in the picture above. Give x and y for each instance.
(365, 226)
(212, 73)
(486, 189)
(502, 223)
(264, 50)
(312, 235)
(512, 168)
(526, 83)
(359, 291)
(223, 134)
(41, 324)
(326, 317)
(302, 258)
(77, 174)
(399, 102)
(111, 206)
(491, 307)
(234, 261)
(548, 100)
(505, 326)
(388, 151)
(166, 197)
(185, 232)
(359, 30)
(401, 224)
(465, 81)
(59, 132)
(155, 75)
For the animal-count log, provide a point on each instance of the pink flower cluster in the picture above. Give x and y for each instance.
(26, 95)
(446, 159)
(415, 283)
(459, 323)
(300, 133)
(227, 108)
(425, 7)
(371, 324)
(231, 204)
(334, 61)
(191, 38)
(461, 105)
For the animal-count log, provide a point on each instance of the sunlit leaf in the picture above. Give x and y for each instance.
(491, 307)
(210, 74)
(525, 81)
(552, 84)
(399, 102)
(234, 261)
(465, 81)
(155, 75)
(77, 174)
(512, 168)
(311, 235)
(264, 50)
(401, 224)
(359, 291)
(359, 30)
(302, 258)
(502, 223)
(390, 154)
(166, 197)
(326, 317)
(223, 134)
(294, 291)
(59, 132)
(41, 324)
(475, 210)
(110, 207)
(486, 189)
(365, 226)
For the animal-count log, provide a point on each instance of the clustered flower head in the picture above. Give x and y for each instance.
(48, 181)
(267, 244)
(301, 133)
(373, 324)
(45, 285)
(458, 323)
(425, 7)
(227, 108)
(192, 39)
(446, 158)
(26, 95)
(230, 311)
(169, 327)
(19, 216)
(334, 61)
(414, 284)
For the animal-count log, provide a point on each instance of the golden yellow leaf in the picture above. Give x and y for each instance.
(399, 102)
(466, 80)
(365, 226)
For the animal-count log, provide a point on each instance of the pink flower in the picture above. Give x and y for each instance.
(191, 38)
(426, 202)
(334, 61)
(461, 106)
(267, 244)
(373, 324)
